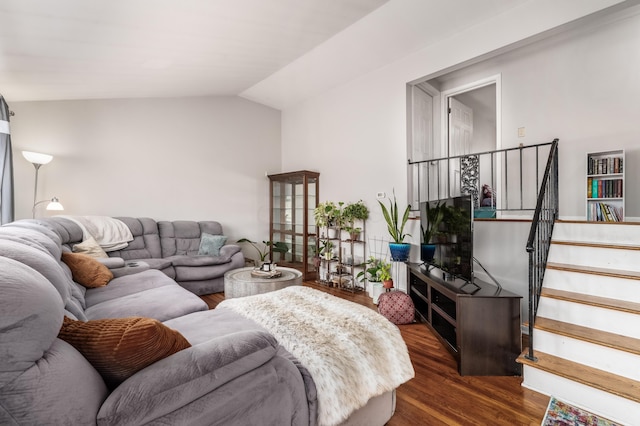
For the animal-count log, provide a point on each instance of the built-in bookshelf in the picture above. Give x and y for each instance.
(605, 186)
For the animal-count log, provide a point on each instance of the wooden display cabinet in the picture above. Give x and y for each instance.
(293, 197)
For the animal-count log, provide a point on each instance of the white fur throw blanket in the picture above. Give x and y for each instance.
(352, 352)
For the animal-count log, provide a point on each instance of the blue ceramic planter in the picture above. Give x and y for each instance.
(427, 251)
(399, 251)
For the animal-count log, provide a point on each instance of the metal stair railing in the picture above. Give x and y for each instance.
(539, 240)
(504, 169)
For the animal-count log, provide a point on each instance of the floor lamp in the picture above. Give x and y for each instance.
(38, 159)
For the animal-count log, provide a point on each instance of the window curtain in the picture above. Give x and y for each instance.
(6, 166)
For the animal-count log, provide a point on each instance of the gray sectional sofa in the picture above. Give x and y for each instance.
(168, 246)
(234, 373)
(231, 366)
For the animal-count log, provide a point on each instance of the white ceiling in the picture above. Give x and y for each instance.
(86, 49)
(96, 49)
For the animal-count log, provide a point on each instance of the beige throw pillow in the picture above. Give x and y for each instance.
(90, 247)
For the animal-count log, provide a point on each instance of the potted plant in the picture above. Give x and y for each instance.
(354, 233)
(385, 275)
(326, 249)
(395, 225)
(434, 218)
(351, 213)
(371, 274)
(329, 215)
(323, 214)
(278, 247)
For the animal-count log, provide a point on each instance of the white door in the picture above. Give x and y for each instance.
(460, 135)
(422, 144)
(422, 148)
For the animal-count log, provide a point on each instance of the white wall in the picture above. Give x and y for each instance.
(201, 158)
(583, 88)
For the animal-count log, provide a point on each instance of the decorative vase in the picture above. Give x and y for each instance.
(427, 251)
(387, 284)
(399, 251)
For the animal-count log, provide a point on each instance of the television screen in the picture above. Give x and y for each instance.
(452, 235)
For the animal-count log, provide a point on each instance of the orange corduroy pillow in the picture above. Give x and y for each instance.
(119, 347)
(86, 270)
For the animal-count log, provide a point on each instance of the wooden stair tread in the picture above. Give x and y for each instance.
(596, 245)
(599, 337)
(618, 273)
(586, 299)
(591, 222)
(589, 376)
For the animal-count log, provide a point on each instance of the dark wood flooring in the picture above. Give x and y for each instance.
(438, 395)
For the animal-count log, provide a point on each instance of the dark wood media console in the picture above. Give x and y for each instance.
(480, 325)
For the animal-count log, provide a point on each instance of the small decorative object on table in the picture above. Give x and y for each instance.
(267, 270)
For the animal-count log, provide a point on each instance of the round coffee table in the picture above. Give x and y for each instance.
(240, 282)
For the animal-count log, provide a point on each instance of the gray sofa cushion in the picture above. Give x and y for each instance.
(170, 384)
(182, 237)
(69, 231)
(34, 235)
(127, 285)
(184, 260)
(37, 259)
(41, 377)
(146, 240)
(31, 317)
(161, 303)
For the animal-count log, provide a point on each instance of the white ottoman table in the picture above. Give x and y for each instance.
(240, 282)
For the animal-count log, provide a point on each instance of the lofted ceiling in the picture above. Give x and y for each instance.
(99, 49)
(86, 49)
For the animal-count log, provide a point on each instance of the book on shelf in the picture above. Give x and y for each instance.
(604, 188)
(605, 212)
(604, 165)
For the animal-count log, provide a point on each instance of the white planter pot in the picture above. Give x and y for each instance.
(370, 288)
(332, 232)
(377, 291)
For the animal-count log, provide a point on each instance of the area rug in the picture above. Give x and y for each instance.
(560, 413)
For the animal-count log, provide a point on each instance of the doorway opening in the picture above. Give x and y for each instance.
(449, 118)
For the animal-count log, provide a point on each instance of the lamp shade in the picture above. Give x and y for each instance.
(36, 157)
(54, 204)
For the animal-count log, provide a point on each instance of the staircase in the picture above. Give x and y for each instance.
(587, 329)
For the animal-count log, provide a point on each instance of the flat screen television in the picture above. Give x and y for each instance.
(454, 239)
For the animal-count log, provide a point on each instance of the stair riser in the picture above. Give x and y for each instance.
(609, 320)
(620, 410)
(603, 358)
(597, 233)
(591, 284)
(595, 257)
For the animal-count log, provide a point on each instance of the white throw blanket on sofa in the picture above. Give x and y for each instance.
(111, 234)
(352, 352)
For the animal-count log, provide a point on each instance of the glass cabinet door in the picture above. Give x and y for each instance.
(294, 196)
